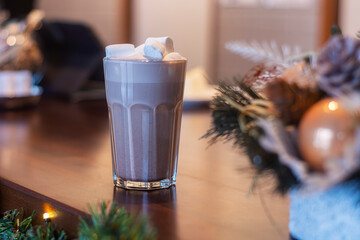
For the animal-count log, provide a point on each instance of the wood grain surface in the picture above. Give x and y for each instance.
(61, 150)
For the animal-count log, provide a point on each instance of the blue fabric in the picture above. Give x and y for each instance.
(333, 214)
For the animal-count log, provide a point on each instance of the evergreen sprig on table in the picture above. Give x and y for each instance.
(48, 232)
(13, 225)
(113, 223)
(105, 222)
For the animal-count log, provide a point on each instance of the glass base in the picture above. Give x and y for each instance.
(127, 184)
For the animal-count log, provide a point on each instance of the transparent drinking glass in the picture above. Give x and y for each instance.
(145, 106)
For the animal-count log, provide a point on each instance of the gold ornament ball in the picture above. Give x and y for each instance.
(324, 131)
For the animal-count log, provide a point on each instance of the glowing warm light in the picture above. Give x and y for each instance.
(11, 40)
(333, 106)
(46, 215)
(49, 212)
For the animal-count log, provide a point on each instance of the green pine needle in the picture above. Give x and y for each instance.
(113, 223)
(48, 232)
(229, 122)
(14, 226)
(228, 105)
(105, 223)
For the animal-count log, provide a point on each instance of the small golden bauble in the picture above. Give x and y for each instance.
(324, 131)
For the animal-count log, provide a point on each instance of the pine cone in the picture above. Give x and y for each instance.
(290, 100)
(261, 74)
(338, 66)
(301, 74)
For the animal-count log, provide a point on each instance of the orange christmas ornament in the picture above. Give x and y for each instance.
(324, 131)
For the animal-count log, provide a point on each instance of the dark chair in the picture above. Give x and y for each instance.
(72, 56)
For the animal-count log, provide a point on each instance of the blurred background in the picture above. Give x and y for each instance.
(200, 28)
(74, 33)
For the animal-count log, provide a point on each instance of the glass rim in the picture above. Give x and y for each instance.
(142, 61)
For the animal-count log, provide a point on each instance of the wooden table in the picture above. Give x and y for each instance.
(61, 152)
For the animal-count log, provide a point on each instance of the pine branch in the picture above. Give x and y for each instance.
(13, 225)
(249, 91)
(114, 223)
(111, 223)
(228, 108)
(50, 232)
(234, 112)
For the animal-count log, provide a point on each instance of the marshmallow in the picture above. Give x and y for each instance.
(166, 41)
(140, 49)
(120, 50)
(173, 56)
(154, 49)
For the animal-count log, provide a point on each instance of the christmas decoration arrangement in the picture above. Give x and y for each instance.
(20, 61)
(297, 117)
(19, 51)
(105, 222)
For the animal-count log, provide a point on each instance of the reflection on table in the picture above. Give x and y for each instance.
(62, 150)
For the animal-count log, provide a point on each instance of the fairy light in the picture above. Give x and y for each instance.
(49, 213)
(46, 216)
(11, 40)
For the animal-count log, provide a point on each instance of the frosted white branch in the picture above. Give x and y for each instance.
(264, 52)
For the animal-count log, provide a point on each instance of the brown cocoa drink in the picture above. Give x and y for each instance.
(145, 100)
